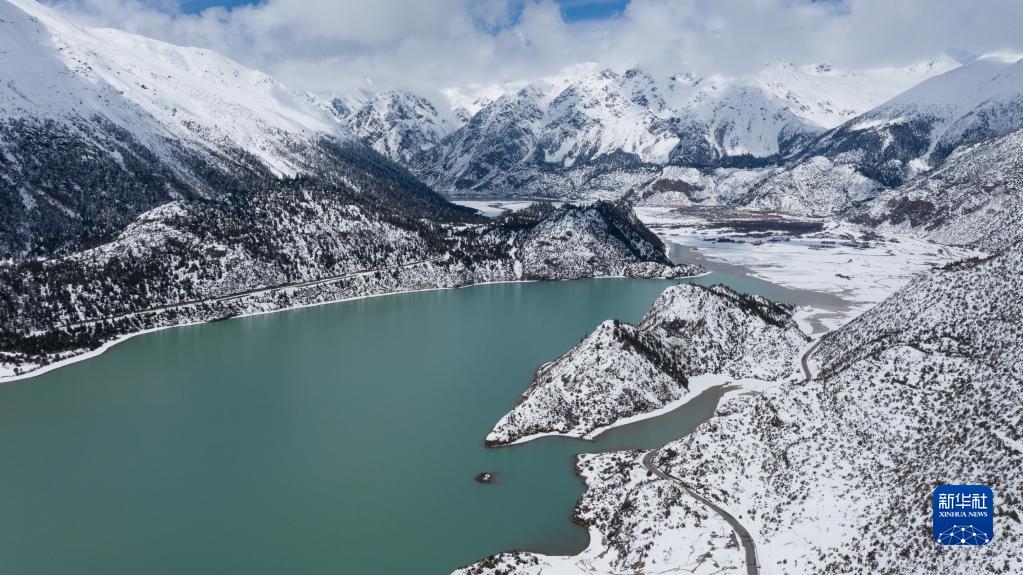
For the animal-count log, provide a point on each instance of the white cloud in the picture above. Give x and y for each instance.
(335, 45)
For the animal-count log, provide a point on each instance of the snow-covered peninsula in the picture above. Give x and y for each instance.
(832, 470)
(622, 371)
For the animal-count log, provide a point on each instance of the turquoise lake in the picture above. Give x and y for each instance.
(336, 439)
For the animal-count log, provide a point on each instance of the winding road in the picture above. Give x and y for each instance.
(748, 545)
(752, 565)
(804, 361)
(254, 291)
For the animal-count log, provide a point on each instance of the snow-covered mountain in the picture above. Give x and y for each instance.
(573, 129)
(919, 128)
(297, 244)
(593, 131)
(55, 70)
(974, 198)
(577, 129)
(909, 136)
(99, 126)
(145, 185)
(832, 471)
(809, 140)
(828, 96)
(399, 125)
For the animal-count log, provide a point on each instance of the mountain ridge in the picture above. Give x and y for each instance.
(596, 132)
(146, 185)
(100, 126)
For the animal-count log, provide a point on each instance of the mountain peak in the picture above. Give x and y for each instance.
(398, 124)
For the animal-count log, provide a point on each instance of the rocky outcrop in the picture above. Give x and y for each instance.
(622, 370)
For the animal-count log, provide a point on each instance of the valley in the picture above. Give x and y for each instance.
(503, 310)
(857, 265)
(836, 269)
(826, 303)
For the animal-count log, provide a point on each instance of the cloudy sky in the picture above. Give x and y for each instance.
(335, 46)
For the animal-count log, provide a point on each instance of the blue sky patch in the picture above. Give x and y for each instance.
(571, 10)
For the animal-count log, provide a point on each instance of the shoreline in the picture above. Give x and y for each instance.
(729, 387)
(851, 268)
(699, 385)
(91, 354)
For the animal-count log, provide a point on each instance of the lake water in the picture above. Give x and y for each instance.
(335, 439)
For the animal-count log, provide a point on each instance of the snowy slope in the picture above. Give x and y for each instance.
(145, 185)
(602, 238)
(558, 138)
(605, 119)
(974, 198)
(834, 474)
(57, 70)
(918, 129)
(905, 137)
(837, 474)
(98, 126)
(399, 125)
(638, 524)
(593, 131)
(621, 371)
(298, 244)
(816, 187)
(828, 96)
